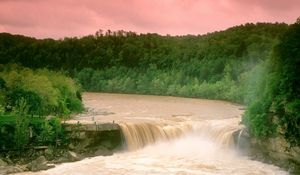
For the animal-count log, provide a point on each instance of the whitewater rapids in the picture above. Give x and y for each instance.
(167, 135)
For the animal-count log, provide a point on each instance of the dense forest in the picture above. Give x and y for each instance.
(253, 64)
(26, 97)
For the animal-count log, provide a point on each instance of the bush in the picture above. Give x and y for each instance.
(21, 135)
(33, 101)
(46, 92)
(260, 122)
(24, 131)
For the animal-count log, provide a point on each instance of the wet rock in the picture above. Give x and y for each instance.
(49, 152)
(275, 151)
(84, 143)
(61, 160)
(50, 166)
(38, 164)
(9, 162)
(81, 135)
(71, 146)
(10, 170)
(72, 156)
(107, 144)
(103, 151)
(22, 167)
(2, 163)
(242, 140)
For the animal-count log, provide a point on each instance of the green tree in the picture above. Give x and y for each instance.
(21, 136)
(286, 93)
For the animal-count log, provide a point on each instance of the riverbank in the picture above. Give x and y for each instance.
(92, 132)
(112, 120)
(207, 148)
(84, 140)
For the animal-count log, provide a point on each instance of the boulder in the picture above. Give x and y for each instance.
(72, 156)
(2, 163)
(242, 140)
(50, 165)
(10, 170)
(61, 160)
(38, 164)
(71, 146)
(103, 151)
(22, 167)
(9, 162)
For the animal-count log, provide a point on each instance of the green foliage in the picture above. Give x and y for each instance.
(260, 122)
(238, 64)
(28, 95)
(21, 136)
(2, 83)
(58, 131)
(46, 92)
(33, 100)
(2, 110)
(17, 134)
(50, 132)
(286, 94)
(128, 49)
(6, 134)
(274, 102)
(46, 134)
(159, 82)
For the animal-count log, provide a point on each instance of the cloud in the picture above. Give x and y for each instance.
(61, 18)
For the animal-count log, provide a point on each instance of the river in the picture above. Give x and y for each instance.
(166, 135)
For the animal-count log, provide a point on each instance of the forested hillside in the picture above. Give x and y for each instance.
(208, 66)
(238, 64)
(250, 42)
(276, 110)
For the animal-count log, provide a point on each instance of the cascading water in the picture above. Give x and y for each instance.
(191, 147)
(239, 137)
(199, 144)
(139, 135)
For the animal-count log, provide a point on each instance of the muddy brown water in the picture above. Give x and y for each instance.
(166, 135)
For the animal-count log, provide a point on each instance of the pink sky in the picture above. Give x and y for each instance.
(61, 18)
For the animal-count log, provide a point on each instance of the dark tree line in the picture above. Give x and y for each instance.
(120, 48)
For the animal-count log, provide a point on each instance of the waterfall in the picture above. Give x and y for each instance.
(239, 138)
(159, 141)
(139, 135)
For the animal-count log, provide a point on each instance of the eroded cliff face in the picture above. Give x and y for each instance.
(273, 151)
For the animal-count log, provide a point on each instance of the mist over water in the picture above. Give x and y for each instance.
(200, 143)
(201, 147)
